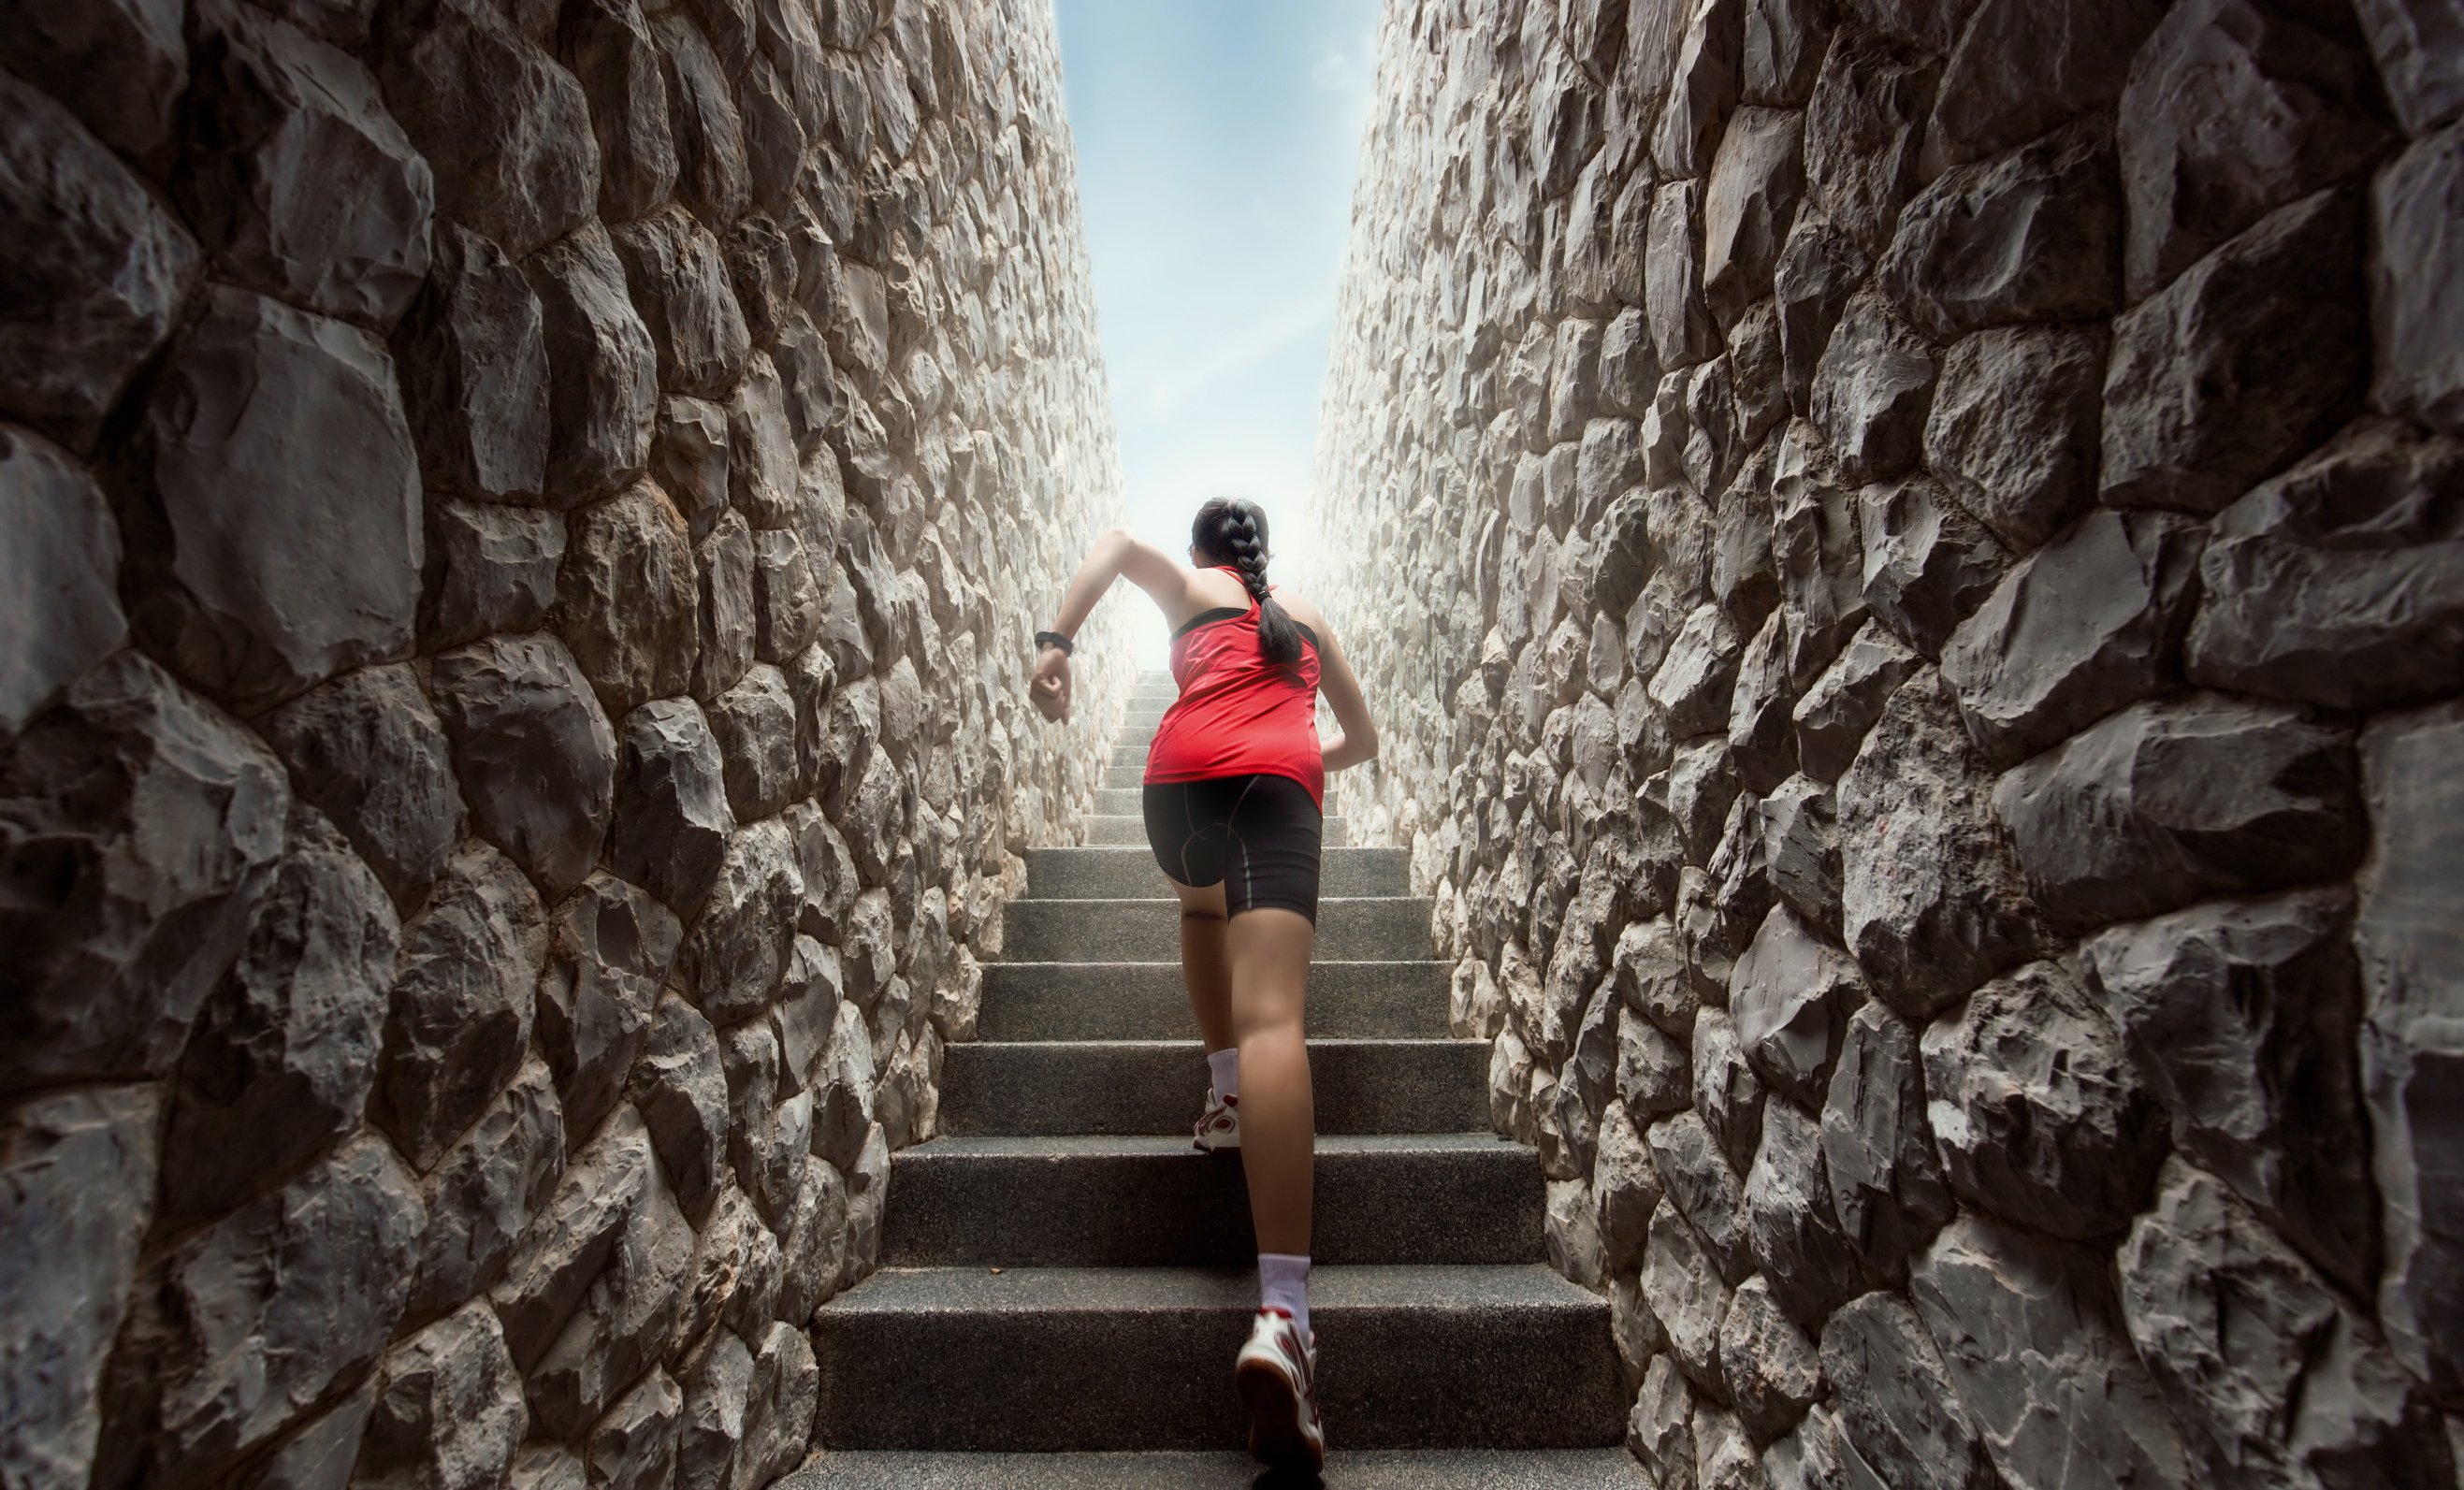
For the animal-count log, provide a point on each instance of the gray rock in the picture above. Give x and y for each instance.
(2198, 402)
(138, 825)
(534, 754)
(2172, 800)
(1727, 1094)
(572, 1239)
(489, 569)
(93, 276)
(1570, 1236)
(1692, 686)
(548, 1466)
(1930, 901)
(738, 950)
(320, 1455)
(2415, 44)
(717, 1395)
(1818, 1456)
(1791, 997)
(815, 1250)
(1762, 739)
(607, 46)
(370, 752)
(2242, 1017)
(1819, 268)
(2410, 1053)
(1660, 1432)
(1654, 1073)
(1626, 1189)
(602, 367)
(633, 1447)
(1749, 205)
(2412, 283)
(449, 1408)
(1872, 390)
(755, 723)
(762, 475)
(2033, 235)
(728, 629)
(712, 171)
(1832, 715)
(2074, 631)
(296, 179)
(1632, 1326)
(690, 460)
(279, 1063)
(1790, 1223)
(1702, 88)
(1862, 129)
(1894, 1399)
(1932, 25)
(2037, 1356)
(1785, 40)
(2014, 422)
(2274, 1378)
(1770, 1364)
(1814, 544)
(2024, 66)
(1886, 1183)
(787, 597)
(1724, 1458)
(60, 575)
(609, 949)
(1700, 1183)
(626, 601)
(671, 822)
(680, 286)
(1681, 329)
(77, 1188)
(2234, 108)
(506, 130)
(241, 1329)
(1928, 564)
(1683, 1285)
(281, 541)
(1800, 827)
(725, 1264)
(2037, 1109)
(486, 1191)
(120, 66)
(2341, 581)
(1702, 790)
(473, 358)
(682, 1093)
(626, 1323)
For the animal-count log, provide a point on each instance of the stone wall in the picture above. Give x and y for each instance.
(525, 518)
(1913, 574)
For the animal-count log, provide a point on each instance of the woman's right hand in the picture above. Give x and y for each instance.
(1048, 690)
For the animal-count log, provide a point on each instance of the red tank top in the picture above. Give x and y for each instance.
(1238, 713)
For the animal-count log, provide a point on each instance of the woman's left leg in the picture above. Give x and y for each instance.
(1270, 960)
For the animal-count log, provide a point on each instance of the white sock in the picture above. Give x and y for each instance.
(1226, 1066)
(1282, 1283)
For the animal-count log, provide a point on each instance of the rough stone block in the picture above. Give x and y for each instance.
(535, 756)
(2024, 66)
(1791, 997)
(484, 1193)
(2014, 425)
(449, 1408)
(1770, 1364)
(608, 48)
(368, 752)
(473, 358)
(2414, 289)
(1896, 1402)
(60, 575)
(1791, 1222)
(626, 602)
(602, 367)
(1683, 1285)
(1872, 391)
(2417, 43)
(1928, 563)
(2033, 235)
(1749, 205)
(120, 66)
(680, 286)
(1862, 133)
(1886, 1183)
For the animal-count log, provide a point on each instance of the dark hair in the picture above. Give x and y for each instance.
(1231, 531)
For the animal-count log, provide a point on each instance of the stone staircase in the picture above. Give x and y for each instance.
(1064, 1280)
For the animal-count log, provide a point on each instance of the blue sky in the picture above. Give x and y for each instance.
(1216, 142)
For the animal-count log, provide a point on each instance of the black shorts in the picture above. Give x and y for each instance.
(1258, 836)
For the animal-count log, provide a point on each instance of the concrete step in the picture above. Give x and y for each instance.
(1121, 801)
(1130, 827)
(1155, 1086)
(1388, 1469)
(1115, 872)
(1129, 760)
(1049, 1359)
(1147, 1001)
(1350, 929)
(1157, 1202)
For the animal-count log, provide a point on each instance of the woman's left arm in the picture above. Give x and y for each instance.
(1114, 555)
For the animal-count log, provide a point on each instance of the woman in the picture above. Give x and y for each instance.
(1233, 798)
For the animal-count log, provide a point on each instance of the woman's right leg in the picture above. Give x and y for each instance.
(1270, 959)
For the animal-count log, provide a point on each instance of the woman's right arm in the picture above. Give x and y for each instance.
(1113, 554)
(1357, 740)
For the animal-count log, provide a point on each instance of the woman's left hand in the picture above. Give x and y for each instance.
(1049, 687)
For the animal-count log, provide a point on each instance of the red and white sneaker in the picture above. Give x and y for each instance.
(1276, 1374)
(1219, 1127)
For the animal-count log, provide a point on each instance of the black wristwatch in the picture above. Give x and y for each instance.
(1054, 638)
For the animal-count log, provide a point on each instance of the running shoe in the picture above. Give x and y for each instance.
(1219, 1128)
(1276, 1374)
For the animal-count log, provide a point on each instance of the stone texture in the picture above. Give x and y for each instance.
(680, 286)
(607, 46)
(447, 1416)
(2418, 374)
(1683, 1285)
(471, 354)
(2036, 1109)
(282, 539)
(487, 1188)
(296, 179)
(611, 947)
(2414, 43)
(1791, 996)
(2338, 582)
(92, 290)
(602, 367)
(2014, 423)
(634, 1446)
(2198, 402)
(1770, 1364)
(625, 602)
(534, 754)
(1887, 1181)
(2170, 800)
(682, 1095)
(61, 575)
(2028, 1334)
(1896, 1401)
(1832, 715)
(1790, 1221)
(1862, 130)
(77, 1183)
(2074, 631)
(2033, 235)
(572, 1239)
(1749, 205)
(2020, 68)
(119, 67)
(460, 1013)
(1928, 564)
(368, 752)
(1872, 390)
(671, 822)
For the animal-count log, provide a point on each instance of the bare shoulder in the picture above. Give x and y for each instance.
(1300, 609)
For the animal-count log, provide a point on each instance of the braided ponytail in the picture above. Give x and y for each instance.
(1230, 531)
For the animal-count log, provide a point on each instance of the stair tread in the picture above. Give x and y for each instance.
(1360, 1469)
(1336, 1289)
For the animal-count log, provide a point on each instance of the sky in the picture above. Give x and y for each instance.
(1217, 144)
